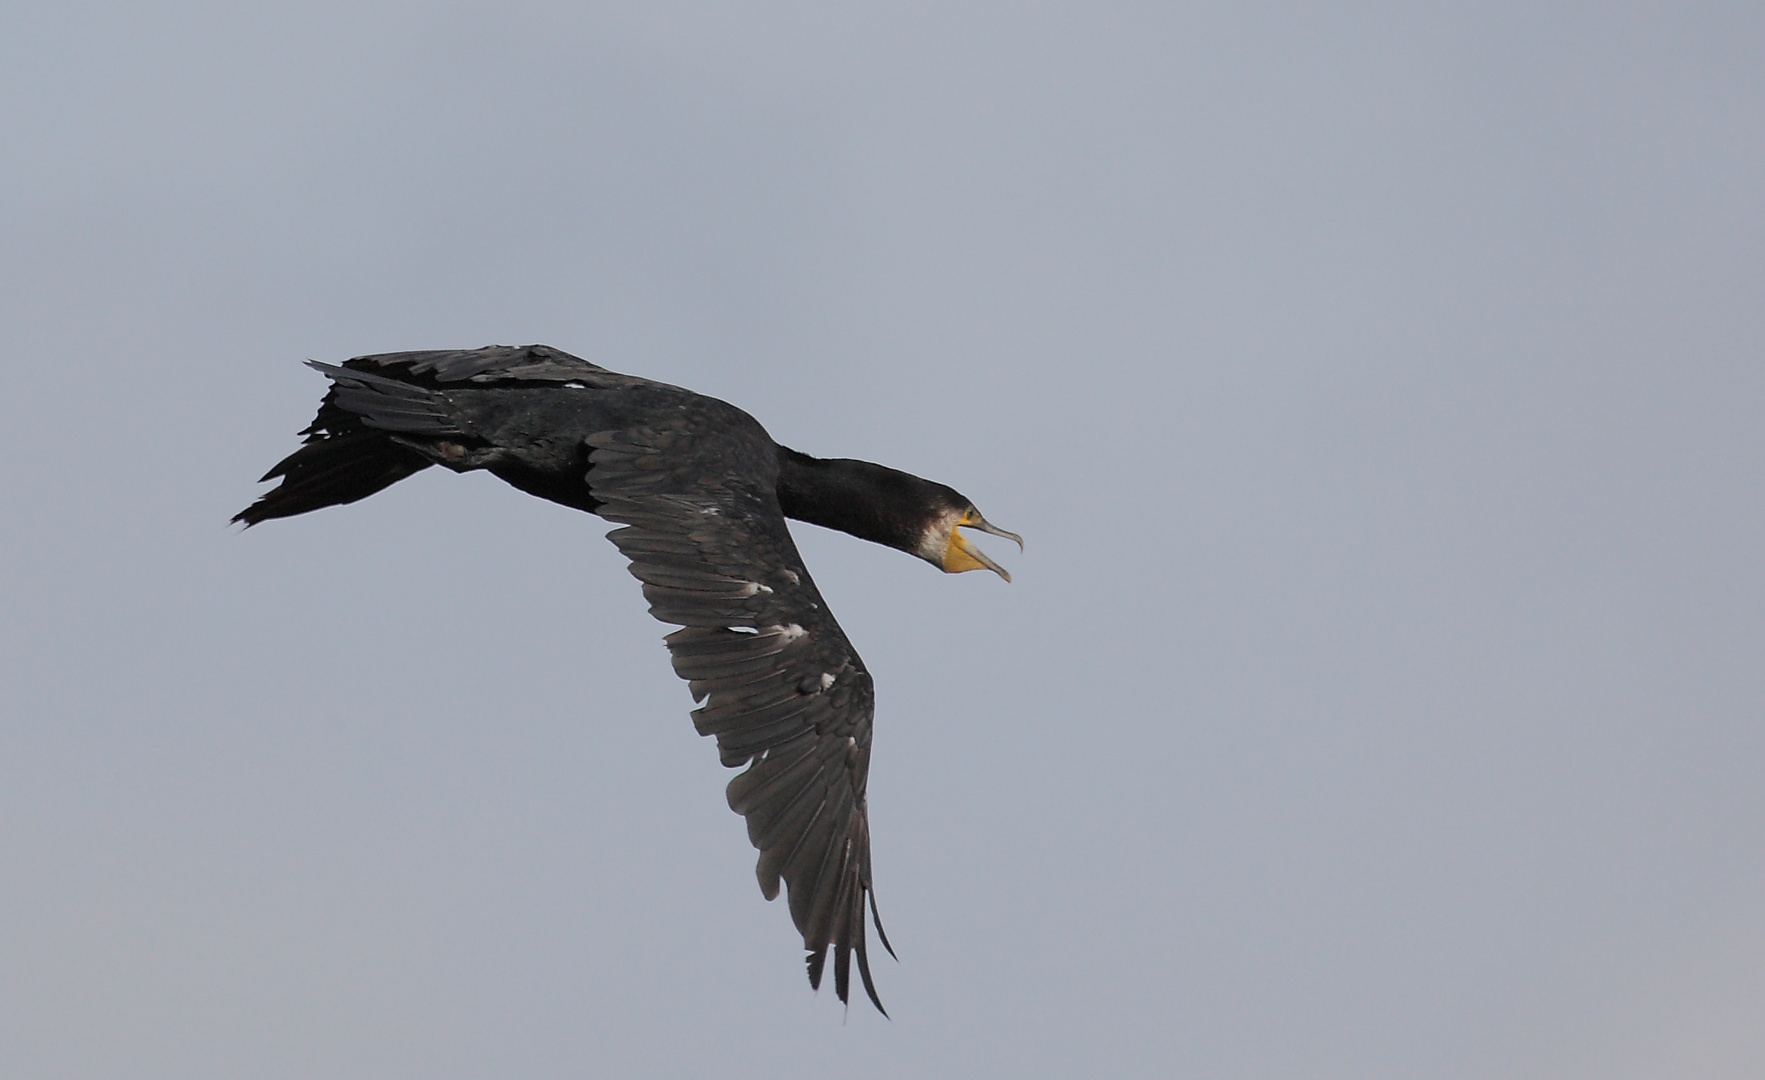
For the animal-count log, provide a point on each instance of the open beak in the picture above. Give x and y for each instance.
(960, 555)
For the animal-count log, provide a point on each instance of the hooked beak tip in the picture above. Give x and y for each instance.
(975, 521)
(960, 555)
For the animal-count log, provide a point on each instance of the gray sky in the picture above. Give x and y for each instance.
(1378, 389)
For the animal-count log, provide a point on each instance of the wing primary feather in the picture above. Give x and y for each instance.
(775, 770)
(753, 697)
(757, 738)
(864, 974)
(737, 747)
(736, 699)
(736, 751)
(768, 827)
(830, 885)
(727, 665)
(650, 544)
(876, 917)
(842, 972)
(768, 869)
(816, 935)
(711, 721)
(803, 870)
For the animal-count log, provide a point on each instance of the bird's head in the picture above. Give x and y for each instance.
(948, 550)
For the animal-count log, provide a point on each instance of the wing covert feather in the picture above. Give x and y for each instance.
(491, 364)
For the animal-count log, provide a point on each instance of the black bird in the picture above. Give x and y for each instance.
(702, 493)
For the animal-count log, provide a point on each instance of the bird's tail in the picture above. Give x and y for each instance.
(346, 459)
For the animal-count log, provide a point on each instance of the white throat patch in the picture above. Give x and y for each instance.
(936, 538)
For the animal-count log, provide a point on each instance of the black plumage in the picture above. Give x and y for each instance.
(701, 493)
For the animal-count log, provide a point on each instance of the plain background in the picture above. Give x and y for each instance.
(1378, 388)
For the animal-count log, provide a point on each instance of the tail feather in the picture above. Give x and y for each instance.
(351, 451)
(332, 470)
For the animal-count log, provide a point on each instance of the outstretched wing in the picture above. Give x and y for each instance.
(783, 691)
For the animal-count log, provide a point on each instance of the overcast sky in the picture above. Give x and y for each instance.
(1378, 389)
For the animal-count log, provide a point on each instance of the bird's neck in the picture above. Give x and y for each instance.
(871, 502)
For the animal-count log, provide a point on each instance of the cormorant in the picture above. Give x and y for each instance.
(701, 492)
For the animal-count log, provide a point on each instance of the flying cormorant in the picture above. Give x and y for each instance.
(701, 492)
